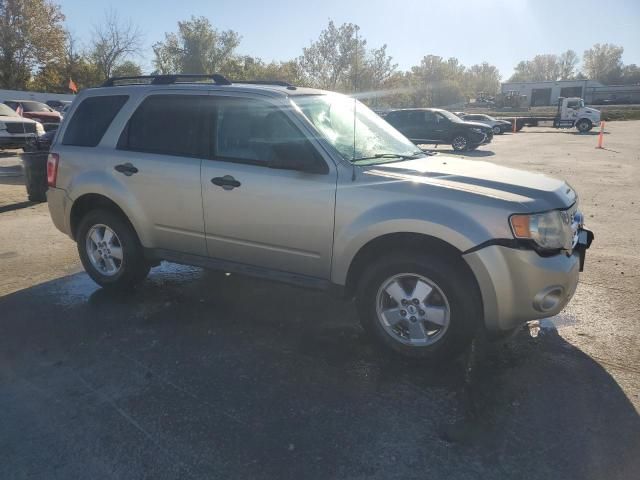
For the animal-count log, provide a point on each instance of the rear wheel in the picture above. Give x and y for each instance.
(110, 250)
(460, 143)
(418, 305)
(497, 130)
(584, 125)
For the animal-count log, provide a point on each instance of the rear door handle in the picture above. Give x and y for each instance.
(227, 182)
(126, 168)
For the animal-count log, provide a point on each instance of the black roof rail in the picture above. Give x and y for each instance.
(277, 83)
(165, 79)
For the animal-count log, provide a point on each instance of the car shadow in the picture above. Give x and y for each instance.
(563, 131)
(467, 153)
(201, 374)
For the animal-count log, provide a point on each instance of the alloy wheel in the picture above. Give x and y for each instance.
(413, 309)
(459, 143)
(104, 250)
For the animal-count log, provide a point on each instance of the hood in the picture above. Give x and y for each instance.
(533, 191)
(480, 125)
(591, 111)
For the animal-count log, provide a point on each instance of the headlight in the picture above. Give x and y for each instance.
(2, 126)
(477, 130)
(549, 230)
(39, 129)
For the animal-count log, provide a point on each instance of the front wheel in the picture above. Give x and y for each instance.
(460, 143)
(584, 125)
(110, 250)
(421, 306)
(497, 130)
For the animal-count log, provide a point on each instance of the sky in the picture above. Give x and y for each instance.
(501, 32)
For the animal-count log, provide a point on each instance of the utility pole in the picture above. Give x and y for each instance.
(355, 67)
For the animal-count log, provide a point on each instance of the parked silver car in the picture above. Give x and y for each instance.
(273, 181)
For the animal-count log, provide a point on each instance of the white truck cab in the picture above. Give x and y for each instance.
(573, 113)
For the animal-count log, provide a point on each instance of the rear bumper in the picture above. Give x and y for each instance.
(519, 285)
(59, 205)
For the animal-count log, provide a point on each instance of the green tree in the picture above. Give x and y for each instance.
(436, 82)
(567, 65)
(603, 62)
(335, 58)
(197, 48)
(630, 75)
(482, 78)
(55, 76)
(31, 36)
(539, 68)
(127, 68)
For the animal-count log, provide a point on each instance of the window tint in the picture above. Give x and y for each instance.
(252, 131)
(430, 117)
(91, 119)
(169, 125)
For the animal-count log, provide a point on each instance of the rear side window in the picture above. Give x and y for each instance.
(91, 119)
(170, 125)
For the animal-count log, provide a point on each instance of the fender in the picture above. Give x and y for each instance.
(448, 224)
(99, 183)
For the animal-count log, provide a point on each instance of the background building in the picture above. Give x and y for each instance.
(547, 92)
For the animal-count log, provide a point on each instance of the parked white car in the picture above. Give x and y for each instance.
(17, 131)
(498, 126)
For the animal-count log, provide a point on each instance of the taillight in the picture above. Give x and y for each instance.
(52, 168)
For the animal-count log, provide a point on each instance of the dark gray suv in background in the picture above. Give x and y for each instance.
(436, 126)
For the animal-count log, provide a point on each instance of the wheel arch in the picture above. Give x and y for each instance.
(92, 201)
(403, 242)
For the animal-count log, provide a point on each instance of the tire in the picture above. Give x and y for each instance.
(130, 269)
(452, 290)
(460, 142)
(497, 130)
(584, 125)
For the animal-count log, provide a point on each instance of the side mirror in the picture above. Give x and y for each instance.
(299, 156)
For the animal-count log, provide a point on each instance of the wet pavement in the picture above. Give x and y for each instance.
(202, 375)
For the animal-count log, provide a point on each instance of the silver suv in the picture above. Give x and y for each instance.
(312, 188)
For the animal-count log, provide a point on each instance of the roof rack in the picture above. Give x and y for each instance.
(278, 83)
(165, 79)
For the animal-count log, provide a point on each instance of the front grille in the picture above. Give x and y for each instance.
(20, 127)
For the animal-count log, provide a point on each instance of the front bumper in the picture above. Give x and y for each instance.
(480, 138)
(519, 285)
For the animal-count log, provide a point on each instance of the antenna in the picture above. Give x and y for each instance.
(355, 103)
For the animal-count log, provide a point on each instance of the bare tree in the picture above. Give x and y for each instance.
(113, 42)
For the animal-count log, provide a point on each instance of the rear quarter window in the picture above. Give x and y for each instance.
(91, 120)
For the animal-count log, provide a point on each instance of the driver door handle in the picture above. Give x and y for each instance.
(227, 182)
(126, 168)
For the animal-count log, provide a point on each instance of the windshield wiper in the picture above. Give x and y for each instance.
(390, 155)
